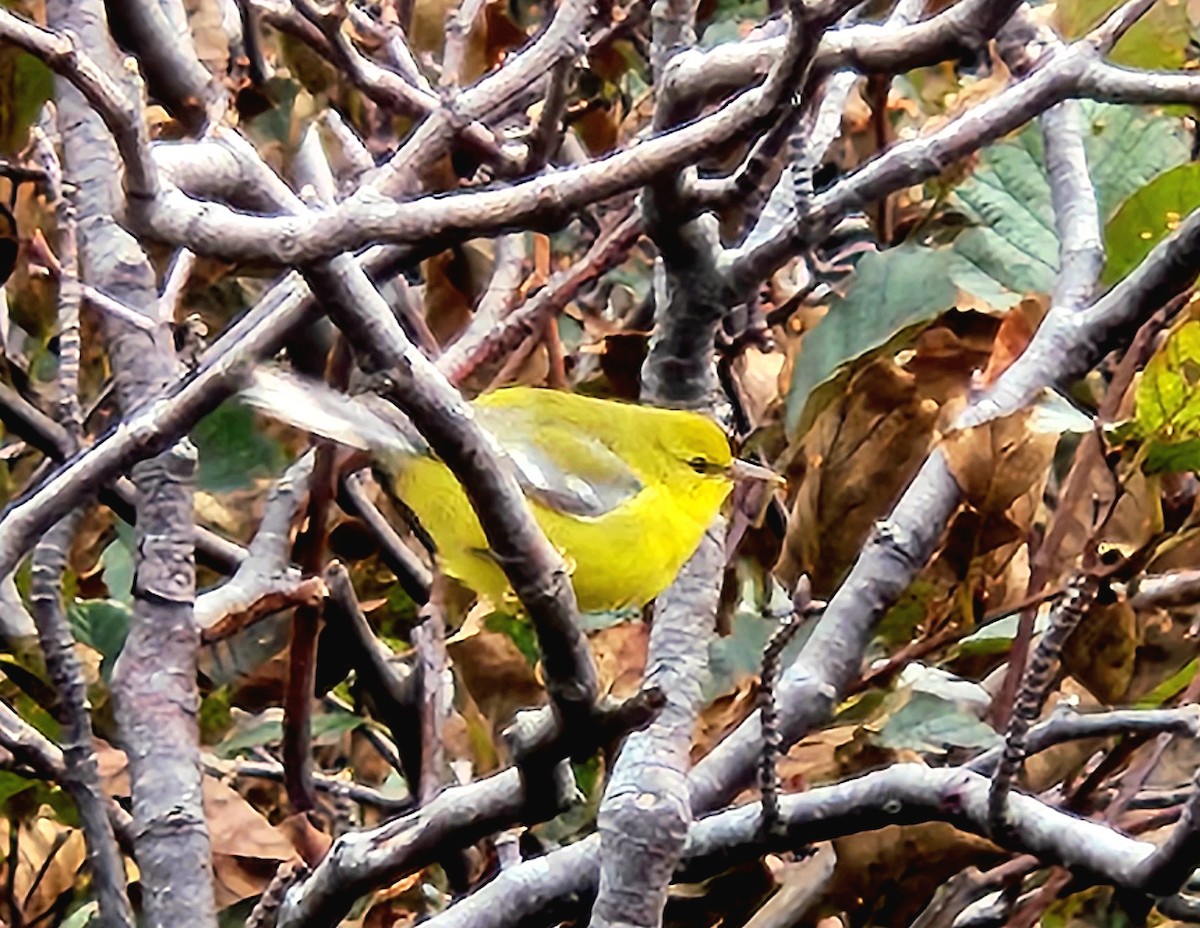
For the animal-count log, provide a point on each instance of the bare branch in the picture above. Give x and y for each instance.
(360, 861)
(477, 346)
(267, 569)
(1166, 870)
(80, 772)
(907, 793)
(960, 29)
(155, 676)
(901, 794)
(111, 102)
(645, 814)
(43, 756)
(1062, 727)
(157, 33)
(1070, 71)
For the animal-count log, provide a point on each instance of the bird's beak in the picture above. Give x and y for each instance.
(744, 470)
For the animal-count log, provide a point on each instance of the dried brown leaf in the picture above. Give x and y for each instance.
(999, 461)
(496, 674)
(620, 654)
(899, 868)
(1101, 651)
(1016, 329)
(845, 487)
(208, 35)
(49, 857)
(237, 828)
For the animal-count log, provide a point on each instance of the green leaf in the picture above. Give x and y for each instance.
(1165, 400)
(1127, 146)
(82, 917)
(1147, 217)
(902, 620)
(1007, 199)
(117, 563)
(931, 725)
(25, 86)
(588, 777)
(1179, 458)
(1170, 687)
(25, 705)
(215, 716)
(11, 784)
(891, 295)
(1158, 40)
(21, 797)
(260, 734)
(1010, 248)
(234, 451)
(102, 624)
(997, 637)
(330, 725)
(519, 630)
(1166, 416)
(398, 614)
(326, 726)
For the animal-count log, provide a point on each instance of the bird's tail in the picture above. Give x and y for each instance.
(366, 422)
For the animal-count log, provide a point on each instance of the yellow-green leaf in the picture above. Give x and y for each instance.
(1168, 396)
(1167, 410)
(1149, 216)
(1157, 41)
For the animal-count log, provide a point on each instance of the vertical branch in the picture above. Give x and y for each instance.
(1080, 260)
(175, 285)
(306, 621)
(81, 776)
(389, 683)
(155, 679)
(313, 173)
(646, 811)
(302, 646)
(546, 136)
(66, 247)
(429, 641)
(458, 35)
(645, 815)
(80, 773)
(1081, 593)
(157, 700)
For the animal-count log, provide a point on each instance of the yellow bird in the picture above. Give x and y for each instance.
(624, 492)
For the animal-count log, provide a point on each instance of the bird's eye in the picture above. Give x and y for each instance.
(699, 465)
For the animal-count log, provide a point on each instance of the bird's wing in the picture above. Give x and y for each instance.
(366, 422)
(565, 468)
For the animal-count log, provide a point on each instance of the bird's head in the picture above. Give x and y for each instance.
(699, 457)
